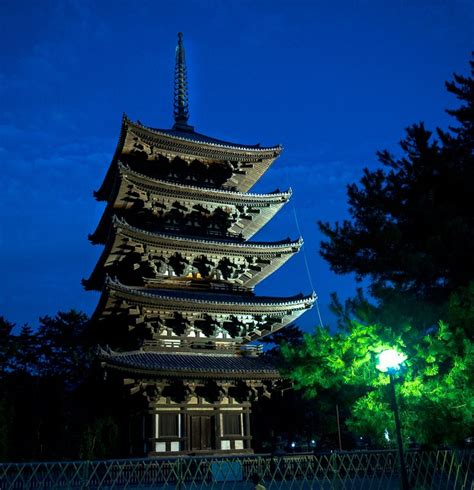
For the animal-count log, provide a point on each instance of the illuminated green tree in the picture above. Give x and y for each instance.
(436, 385)
(411, 236)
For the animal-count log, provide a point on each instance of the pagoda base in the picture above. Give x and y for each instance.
(165, 427)
(200, 403)
(199, 427)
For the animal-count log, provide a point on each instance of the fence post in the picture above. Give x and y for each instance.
(85, 475)
(336, 483)
(459, 484)
(179, 475)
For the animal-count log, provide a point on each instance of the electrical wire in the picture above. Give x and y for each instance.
(305, 257)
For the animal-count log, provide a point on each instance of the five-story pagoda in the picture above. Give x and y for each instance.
(177, 310)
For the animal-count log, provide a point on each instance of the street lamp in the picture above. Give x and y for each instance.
(390, 361)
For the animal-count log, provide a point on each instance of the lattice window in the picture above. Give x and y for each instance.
(168, 425)
(231, 424)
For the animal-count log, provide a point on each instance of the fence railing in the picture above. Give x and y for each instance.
(371, 470)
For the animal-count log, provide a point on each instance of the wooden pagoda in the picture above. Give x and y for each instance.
(177, 311)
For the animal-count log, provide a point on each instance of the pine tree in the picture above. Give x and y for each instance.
(412, 221)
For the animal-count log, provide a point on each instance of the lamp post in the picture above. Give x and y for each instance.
(389, 362)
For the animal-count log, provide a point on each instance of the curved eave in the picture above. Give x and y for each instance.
(277, 252)
(219, 196)
(190, 243)
(169, 366)
(282, 310)
(103, 193)
(102, 231)
(254, 160)
(194, 144)
(212, 303)
(266, 205)
(248, 376)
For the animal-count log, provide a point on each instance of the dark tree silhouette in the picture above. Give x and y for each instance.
(53, 399)
(412, 221)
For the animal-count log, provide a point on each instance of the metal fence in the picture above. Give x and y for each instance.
(343, 470)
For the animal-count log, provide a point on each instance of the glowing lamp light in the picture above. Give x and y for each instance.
(390, 360)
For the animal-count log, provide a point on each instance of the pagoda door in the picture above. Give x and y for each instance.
(202, 432)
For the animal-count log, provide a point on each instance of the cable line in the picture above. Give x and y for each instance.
(318, 311)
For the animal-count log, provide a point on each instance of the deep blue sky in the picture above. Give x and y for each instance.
(332, 81)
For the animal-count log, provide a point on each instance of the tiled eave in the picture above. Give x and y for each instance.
(187, 365)
(195, 144)
(220, 196)
(283, 246)
(210, 302)
(150, 302)
(277, 252)
(255, 160)
(267, 204)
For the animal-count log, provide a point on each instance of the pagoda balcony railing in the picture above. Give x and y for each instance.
(220, 345)
(200, 232)
(203, 285)
(251, 350)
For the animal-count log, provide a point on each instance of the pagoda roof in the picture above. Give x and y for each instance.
(282, 245)
(214, 145)
(252, 160)
(208, 140)
(215, 301)
(267, 203)
(284, 309)
(277, 252)
(212, 194)
(200, 365)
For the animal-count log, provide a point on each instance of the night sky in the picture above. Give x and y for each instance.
(331, 81)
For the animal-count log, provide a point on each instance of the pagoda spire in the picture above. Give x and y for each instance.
(181, 102)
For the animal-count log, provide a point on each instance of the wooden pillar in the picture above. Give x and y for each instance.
(152, 429)
(218, 428)
(248, 441)
(186, 434)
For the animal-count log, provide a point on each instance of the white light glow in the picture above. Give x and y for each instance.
(390, 360)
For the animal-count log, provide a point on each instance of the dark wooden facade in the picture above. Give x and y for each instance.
(177, 313)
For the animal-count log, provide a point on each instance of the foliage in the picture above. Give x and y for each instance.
(394, 308)
(436, 388)
(6, 346)
(461, 309)
(63, 346)
(291, 334)
(308, 418)
(54, 404)
(99, 439)
(412, 221)
(58, 347)
(411, 235)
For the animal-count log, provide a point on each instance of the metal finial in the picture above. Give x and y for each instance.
(181, 102)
